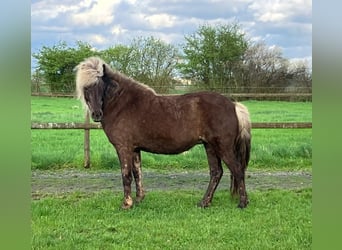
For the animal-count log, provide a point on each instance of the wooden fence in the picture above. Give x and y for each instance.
(306, 96)
(87, 126)
(237, 96)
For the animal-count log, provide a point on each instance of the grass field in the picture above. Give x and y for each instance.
(271, 148)
(274, 219)
(50, 109)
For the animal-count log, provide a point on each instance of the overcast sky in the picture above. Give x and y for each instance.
(283, 23)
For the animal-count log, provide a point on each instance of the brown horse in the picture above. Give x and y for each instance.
(135, 118)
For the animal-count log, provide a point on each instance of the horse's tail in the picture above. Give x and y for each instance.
(243, 140)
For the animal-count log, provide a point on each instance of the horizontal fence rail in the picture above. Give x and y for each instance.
(87, 126)
(238, 96)
(281, 125)
(250, 95)
(255, 125)
(232, 94)
(264, 95)
(49, 94)
(65, 125)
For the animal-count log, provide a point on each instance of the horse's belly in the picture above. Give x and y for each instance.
(169, 147)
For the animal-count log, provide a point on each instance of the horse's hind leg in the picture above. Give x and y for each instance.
(137, 173)
(216, 172)
(237, 178)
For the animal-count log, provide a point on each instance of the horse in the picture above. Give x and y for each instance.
(135, 118)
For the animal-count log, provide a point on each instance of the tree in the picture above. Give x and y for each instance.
(57, 64)
(153, 62)
(146, 59)
(118, 57)
(301, 75)
(263, 69)
(36, 81)
(212, 53)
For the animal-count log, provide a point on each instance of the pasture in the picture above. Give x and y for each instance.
(271, 148)
(276, 218)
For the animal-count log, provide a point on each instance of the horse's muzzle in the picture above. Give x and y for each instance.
(97, 115)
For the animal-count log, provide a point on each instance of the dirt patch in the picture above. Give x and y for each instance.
(45, 183)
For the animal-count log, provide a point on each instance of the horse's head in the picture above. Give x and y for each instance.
(93, 85)
(93, 97)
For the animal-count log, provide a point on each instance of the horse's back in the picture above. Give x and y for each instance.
(205, 113)
(175, 123)
(213, 106)
(217, 117)
(198, 106)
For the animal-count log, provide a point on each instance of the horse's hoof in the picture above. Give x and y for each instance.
(127, 204)
(203, 204)
(139, 199)
(126, 207)
(243, 204)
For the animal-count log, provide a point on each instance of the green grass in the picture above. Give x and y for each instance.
(275, 219)
(53, 109)
(271, 148)
(273, 111)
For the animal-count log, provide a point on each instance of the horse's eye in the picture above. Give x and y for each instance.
(86, 91)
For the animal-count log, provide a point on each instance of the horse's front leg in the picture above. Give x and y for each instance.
(126, 163)
(137, 173)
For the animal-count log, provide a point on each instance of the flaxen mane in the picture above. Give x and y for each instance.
(90, 70)
(88, 73)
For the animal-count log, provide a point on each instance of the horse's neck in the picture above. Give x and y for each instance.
(129, 84)
(137, 89)
(129, 92)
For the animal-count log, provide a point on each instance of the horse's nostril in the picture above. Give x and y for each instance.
(97, 115)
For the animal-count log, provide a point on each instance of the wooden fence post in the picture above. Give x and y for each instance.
(87, 142)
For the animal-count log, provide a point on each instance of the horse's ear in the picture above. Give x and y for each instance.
(105, 71)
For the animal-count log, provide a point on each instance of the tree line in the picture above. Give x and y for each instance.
(214, 57)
